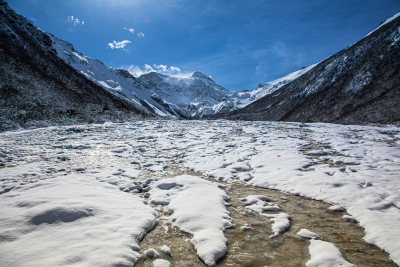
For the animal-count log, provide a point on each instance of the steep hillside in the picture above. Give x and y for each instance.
(360, 84)
(37, 88)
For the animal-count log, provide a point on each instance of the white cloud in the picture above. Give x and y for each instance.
(131, 30)
(119, 45)
(160, 68)
(75, 21)
(140, 34)
(148, 68)
(174, 69)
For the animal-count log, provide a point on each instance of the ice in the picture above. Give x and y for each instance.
(325, 254)
(188, 197)
(72, 219)
(307, 234)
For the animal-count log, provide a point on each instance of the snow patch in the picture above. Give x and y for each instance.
(280, 222)
(307, 234)
(325, 254)
(187, 198)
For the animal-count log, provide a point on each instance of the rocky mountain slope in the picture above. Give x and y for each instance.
(360, 84)
(37, 88)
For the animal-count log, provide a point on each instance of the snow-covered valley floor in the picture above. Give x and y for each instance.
(209, 192)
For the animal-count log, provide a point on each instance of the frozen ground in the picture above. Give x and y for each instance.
(86, 195)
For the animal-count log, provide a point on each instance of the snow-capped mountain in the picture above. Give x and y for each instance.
(152, 93)
(360, 84)
(190, 96)
(194, 95)
(113, 80)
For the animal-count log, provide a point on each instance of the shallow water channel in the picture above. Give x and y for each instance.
(254, 246)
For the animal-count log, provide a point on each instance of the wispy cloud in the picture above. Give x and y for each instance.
(174, 69)
(160, 68)
(131, 30)
(119, 45)
(75, 21)
(140, 34)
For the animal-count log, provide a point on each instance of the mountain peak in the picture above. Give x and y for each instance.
(198, 74)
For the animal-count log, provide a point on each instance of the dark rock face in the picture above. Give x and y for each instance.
(360, 84)
(37, 88)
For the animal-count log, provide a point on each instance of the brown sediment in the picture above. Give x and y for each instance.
(288, 249)
(254, 246)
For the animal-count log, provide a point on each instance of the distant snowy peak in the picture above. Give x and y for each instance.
(116, 81)
(153, 93)
(193, 95)
(189, 96)
(198, 74)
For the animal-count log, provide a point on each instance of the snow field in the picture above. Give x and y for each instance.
(71, 220)
(86, 175)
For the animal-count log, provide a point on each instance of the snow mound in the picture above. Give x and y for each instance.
(259, 204)
(161, 263)
(187, 198)
(151, 253)
(86, 222)
(325, 254)
(336, 208)
(280, 222)
(254, 199)
(166, 250)
(307, 234)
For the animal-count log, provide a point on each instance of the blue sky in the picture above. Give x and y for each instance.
(238, 43)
